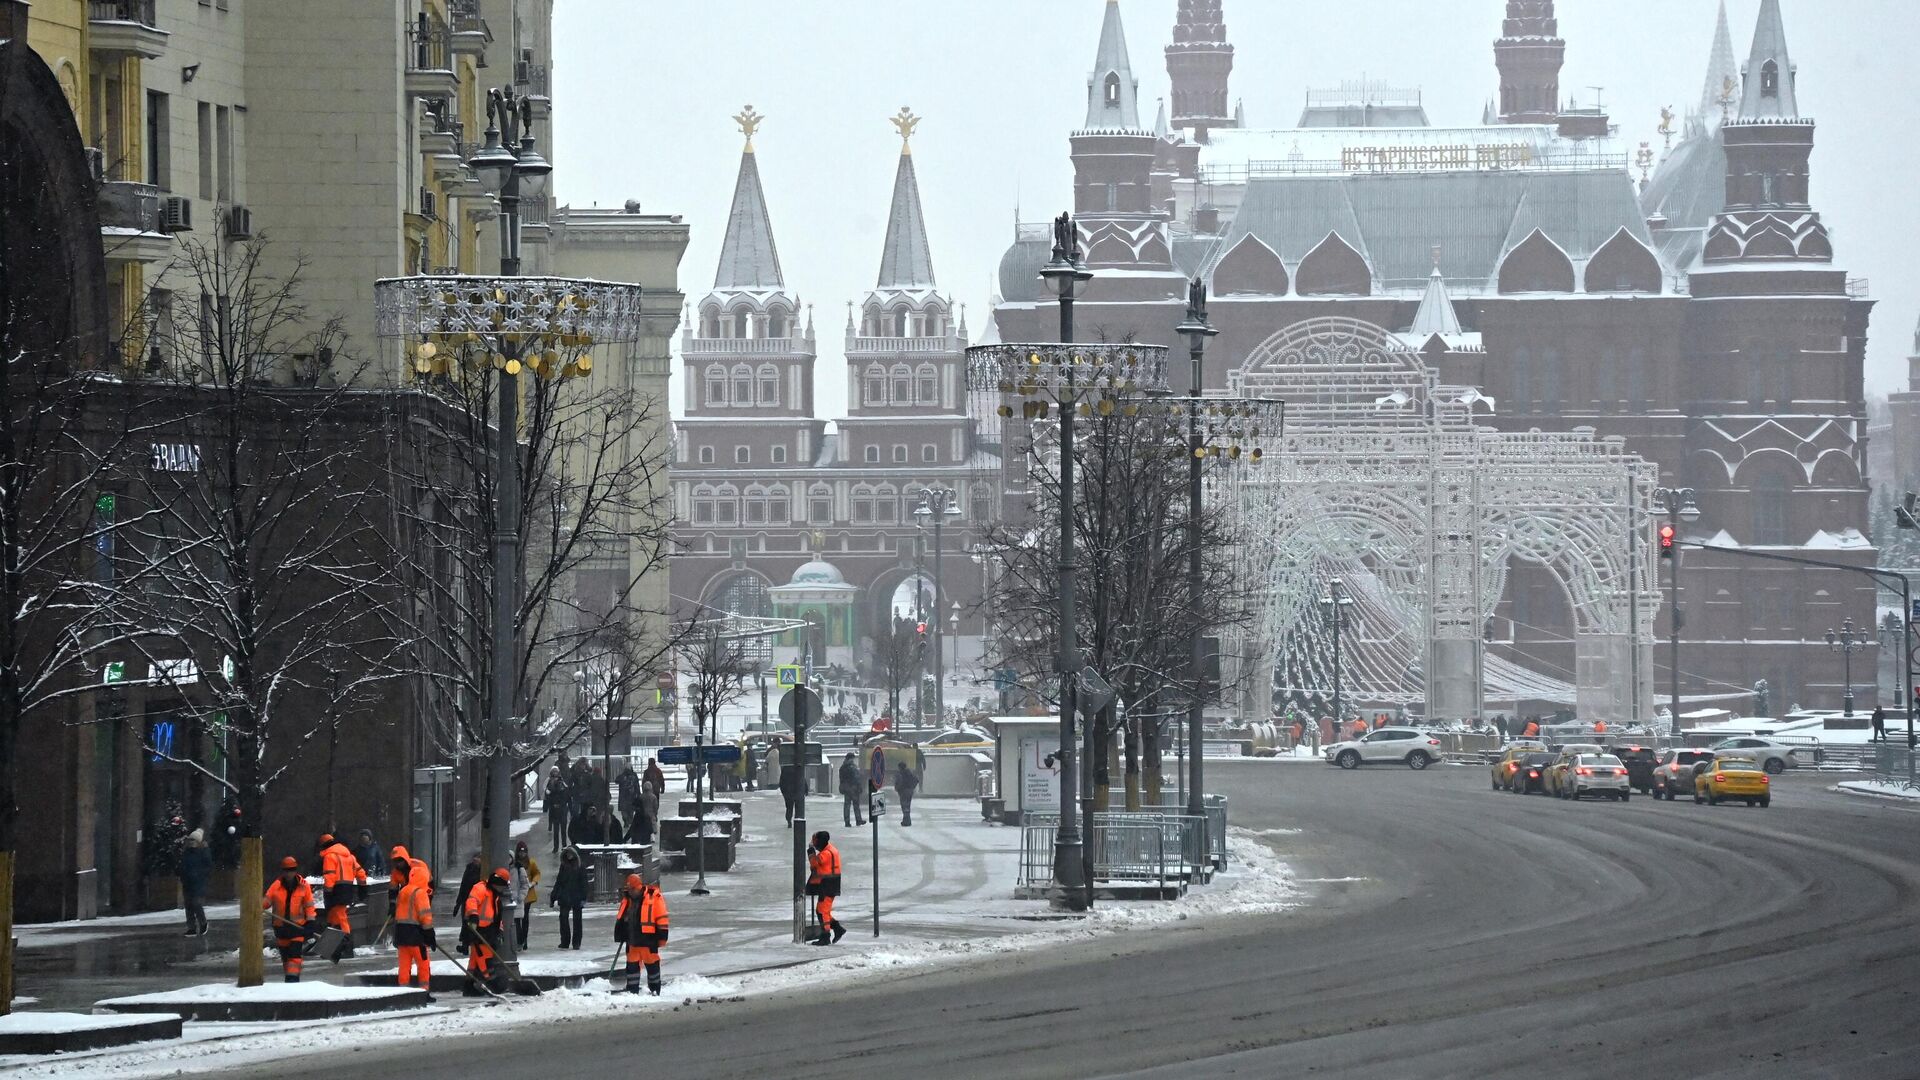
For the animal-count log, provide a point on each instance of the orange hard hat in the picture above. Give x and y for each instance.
(634, 884)
(326, 838)
(501, 873)
(289, 863)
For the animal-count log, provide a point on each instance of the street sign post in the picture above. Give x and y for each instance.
(787, 703)
(724, 754)
(787, 676)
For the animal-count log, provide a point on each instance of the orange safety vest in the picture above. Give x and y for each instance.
(1532, 728)
(296, 908)
(825, 877)
(652, 931)
(416, 902)
(338, 866)
(482, 906)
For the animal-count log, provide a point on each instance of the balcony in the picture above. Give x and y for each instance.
(471, 35)
(948, 342)
(430, 71)
(125, 27)
(130, 223)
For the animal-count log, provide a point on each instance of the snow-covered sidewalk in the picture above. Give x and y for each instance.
(1885, 789)
(945, 884)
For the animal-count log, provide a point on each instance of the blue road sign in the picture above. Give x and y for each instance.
(723, 754)
(675, 755)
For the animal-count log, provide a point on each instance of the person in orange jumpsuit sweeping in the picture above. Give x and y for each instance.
(289, 907)
(823, 884)
(343, 877)
(642, 926)
(486, 921)
(413, 925)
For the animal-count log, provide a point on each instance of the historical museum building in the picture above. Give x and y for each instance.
(781, 513)
(1698, 313)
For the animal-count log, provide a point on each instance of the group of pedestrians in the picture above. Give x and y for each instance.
(579, 812)
(856, 789)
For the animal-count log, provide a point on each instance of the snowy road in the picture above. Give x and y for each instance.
(1447, 928)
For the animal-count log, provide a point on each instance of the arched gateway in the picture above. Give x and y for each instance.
(1383, 479)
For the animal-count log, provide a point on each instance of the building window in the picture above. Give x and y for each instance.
(779, 455)
(716, 389)
(742, 388)
(876, 389)
(703, 511)
(706, 455)
(159, 155)
(820, 510)
(902, 388)
(223, 152)
(756, 511)
(899, 454)
(710, 323)
(743, 455)
(769, 388)
(929, 452)
(1772, 495)
(776, 324)
(872, 454)
(928, 388)
(886, 509)
(982, 502)
(727, 511)
(862, 511)
(205, 116)
(1769, 79)
(1113, 195)
(741, 325)
(1113, 90)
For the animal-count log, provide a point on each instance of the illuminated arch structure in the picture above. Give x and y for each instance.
(1384, 479)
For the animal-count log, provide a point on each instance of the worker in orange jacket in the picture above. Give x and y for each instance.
(485, 920)
(1532, 729)
(413, 925)
(823, 884)
(343, 877)
(642, 925)
(289, 907)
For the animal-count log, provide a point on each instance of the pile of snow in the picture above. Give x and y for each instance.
(1886, 789)
(62, 1023)
(300, 991)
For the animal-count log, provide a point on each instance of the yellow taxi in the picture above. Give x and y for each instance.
(1732, 778)
(1509, 762)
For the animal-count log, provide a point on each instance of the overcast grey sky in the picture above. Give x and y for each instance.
(644, 89)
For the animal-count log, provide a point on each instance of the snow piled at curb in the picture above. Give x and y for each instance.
(1257, 883)
(1881, 788)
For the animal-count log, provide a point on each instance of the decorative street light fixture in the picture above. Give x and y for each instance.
(1075, 380)
(1676, 504)
(1212, 424)
(1334, 611)
(468, 324)
(1846, 642)
(936, 505)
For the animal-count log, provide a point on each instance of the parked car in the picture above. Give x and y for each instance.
(1595, 774)
(1674, 774)
(1774, 756)
(1509, 762)
(1733, 778)
(1562, 761)
(1531, 776)
(1639, 761)
(1410, 746)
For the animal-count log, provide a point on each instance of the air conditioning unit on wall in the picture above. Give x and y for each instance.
(239, 223)
(176, 214)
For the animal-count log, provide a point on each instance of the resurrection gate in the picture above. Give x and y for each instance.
(1383, 479)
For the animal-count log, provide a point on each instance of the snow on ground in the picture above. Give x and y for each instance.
(60, 1023)
(1258, 882)
(300, 991)
(1883, 788)
(171, 917)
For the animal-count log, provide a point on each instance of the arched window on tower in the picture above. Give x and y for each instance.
(742, 385)
(769, 385)
(900, 322)
(710, 322)
(1113, 90)
(1769, 79)
(876, 386)
(902, 385)
(926, 390)
(776, 323)
(716, 385)
(742, 324)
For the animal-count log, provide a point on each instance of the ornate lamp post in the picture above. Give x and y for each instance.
(472, 328)
(1334, 609)
(1074, 380)
(1212, 424)
(1845, 642)
(936, 505)
(1676, 504)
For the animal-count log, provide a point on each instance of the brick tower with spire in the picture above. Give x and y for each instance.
(1113, 163)
(1528, 54)
(1198, 64)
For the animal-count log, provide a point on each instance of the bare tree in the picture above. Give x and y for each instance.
(718, 666)
(595, 512)
(1134, 608)
(897, 657)
(253, 567)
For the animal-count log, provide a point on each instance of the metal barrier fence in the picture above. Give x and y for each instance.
(1036, 855)
(1130, 850)
(1897, 765)
(1182, 847)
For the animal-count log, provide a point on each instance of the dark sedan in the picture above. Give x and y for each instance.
(1531, 776)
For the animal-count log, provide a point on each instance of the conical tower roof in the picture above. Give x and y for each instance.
(1723, 71)
(748, 259)
(1769, 95)
(1118, 108)
(1436, 314)
(905, 262)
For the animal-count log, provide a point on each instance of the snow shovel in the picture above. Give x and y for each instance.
(481, 983)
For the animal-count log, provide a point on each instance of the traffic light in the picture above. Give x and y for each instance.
(920, 630)
(1666, 541)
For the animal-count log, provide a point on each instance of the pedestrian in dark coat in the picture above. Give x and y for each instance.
(559, 803)
(790, 788)
(629, 785)
(196, 867)
(569, 895)
(852, 796)
(589, 829)
(905, 783)
(649, 810)
(656, 776)
(468, 879)
(1879, 724)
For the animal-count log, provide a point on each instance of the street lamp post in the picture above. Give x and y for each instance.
(1334, 608)
(462, 325)
(1845, 642)
(1196, 329)
(1069, 377)
(1676, 504)
(936, 505)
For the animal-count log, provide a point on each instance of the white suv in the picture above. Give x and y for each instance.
(1400, 745)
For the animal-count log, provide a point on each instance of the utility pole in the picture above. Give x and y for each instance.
(1675, 504)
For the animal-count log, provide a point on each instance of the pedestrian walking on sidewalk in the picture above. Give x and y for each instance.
(649, 810)
(569, 895)
(790, 780)
(559, 807)
(413, 925)
(289, 908)
(655, 775)
(641, 925)
(905, 783)
(1879, 724)
(196, 867)
(524, 877)
(370, 854)
(852, 794)
(823, 884)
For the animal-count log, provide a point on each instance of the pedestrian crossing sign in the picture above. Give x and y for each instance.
(788, 675)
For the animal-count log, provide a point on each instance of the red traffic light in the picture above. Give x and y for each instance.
(921, 629)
